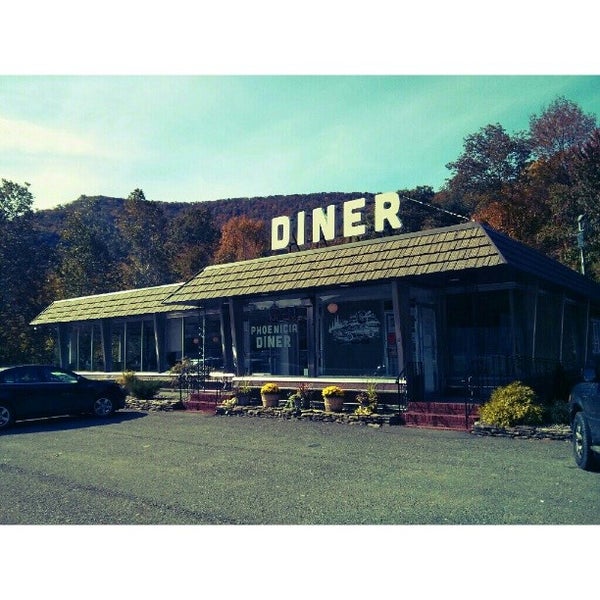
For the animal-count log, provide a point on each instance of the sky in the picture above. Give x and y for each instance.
(206, 137)
(200, 101)
(252, 99)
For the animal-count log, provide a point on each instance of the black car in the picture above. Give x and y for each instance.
(584, 403)
(31, 391)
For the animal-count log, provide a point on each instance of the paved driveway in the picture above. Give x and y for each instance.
(184, 468)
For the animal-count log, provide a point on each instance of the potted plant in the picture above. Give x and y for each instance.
(243, 392)
(269, 394)
(334, 398)
(367, 400)
(300, 398)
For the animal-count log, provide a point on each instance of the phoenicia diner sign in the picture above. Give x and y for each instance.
(324, 221)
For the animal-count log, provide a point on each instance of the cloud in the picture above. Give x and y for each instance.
(30, 138)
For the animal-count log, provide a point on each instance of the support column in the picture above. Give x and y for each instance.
(226, 340)
(237, 336)
(160, 346)
(62, 332)
(105, 333)
(311, 336)
(398, 320)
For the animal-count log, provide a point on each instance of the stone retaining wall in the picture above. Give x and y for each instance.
(375, 420)
(551, 432)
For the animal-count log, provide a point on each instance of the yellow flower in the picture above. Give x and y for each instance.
(269, 388)
(332, 390)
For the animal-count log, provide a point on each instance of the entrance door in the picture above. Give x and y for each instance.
(426, 346)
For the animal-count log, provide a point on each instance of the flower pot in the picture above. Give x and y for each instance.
(270, 400)
(334, 403)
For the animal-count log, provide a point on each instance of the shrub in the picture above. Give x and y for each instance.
(513, 404)
(557, 413)
(138, 388)
(145, 390)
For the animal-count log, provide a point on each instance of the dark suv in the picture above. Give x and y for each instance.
(584, 404)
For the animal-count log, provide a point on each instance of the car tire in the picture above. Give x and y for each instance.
(6, 416)
(103, 407)
(582, 444)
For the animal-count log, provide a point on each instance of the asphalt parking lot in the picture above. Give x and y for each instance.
(190, 468)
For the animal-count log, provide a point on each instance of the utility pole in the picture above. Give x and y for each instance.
(581, 241)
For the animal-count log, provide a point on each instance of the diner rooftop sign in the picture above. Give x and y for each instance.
(324, 221)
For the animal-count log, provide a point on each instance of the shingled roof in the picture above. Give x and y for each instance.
(449, 249)
(445, 250)
(143, 301)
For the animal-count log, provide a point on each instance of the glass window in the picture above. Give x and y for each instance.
(133, 346)
(118, 346)
(97, 351)
(275, 338)
(547, 343)
(353, 337)
(149, 357)
(480, 334)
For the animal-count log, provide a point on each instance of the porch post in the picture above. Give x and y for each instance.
(62, 331)
(312, 336)
(226, 340)
(106, 345)
(396, 308)
(160, 323)
(237, 340)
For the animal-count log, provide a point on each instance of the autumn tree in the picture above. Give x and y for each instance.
(485, 174)
(241, 239)
(562, 126)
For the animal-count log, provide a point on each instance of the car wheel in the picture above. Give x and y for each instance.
(103, 407)
(6, 417)
(582, 443)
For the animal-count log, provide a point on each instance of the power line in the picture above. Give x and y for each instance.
(448, 212)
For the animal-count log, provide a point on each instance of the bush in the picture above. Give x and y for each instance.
(557, 413)
(138, 388)
(513, 404)
(145, 390)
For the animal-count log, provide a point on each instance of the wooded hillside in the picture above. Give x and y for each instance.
(541, 187)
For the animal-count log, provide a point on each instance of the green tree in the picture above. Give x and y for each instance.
(143, 226)
(491, 158)
(193, 239)
(24, 260)
(86, 260)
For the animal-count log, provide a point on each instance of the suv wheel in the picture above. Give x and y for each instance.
(582, 443)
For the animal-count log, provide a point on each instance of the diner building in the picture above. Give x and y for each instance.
(434, 307)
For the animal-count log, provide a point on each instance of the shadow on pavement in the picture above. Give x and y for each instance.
(64, 423)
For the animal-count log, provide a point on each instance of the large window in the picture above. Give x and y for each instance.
(195, 336)
(85, 347)
(480, 333)
(275, 337)
(357, 331)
